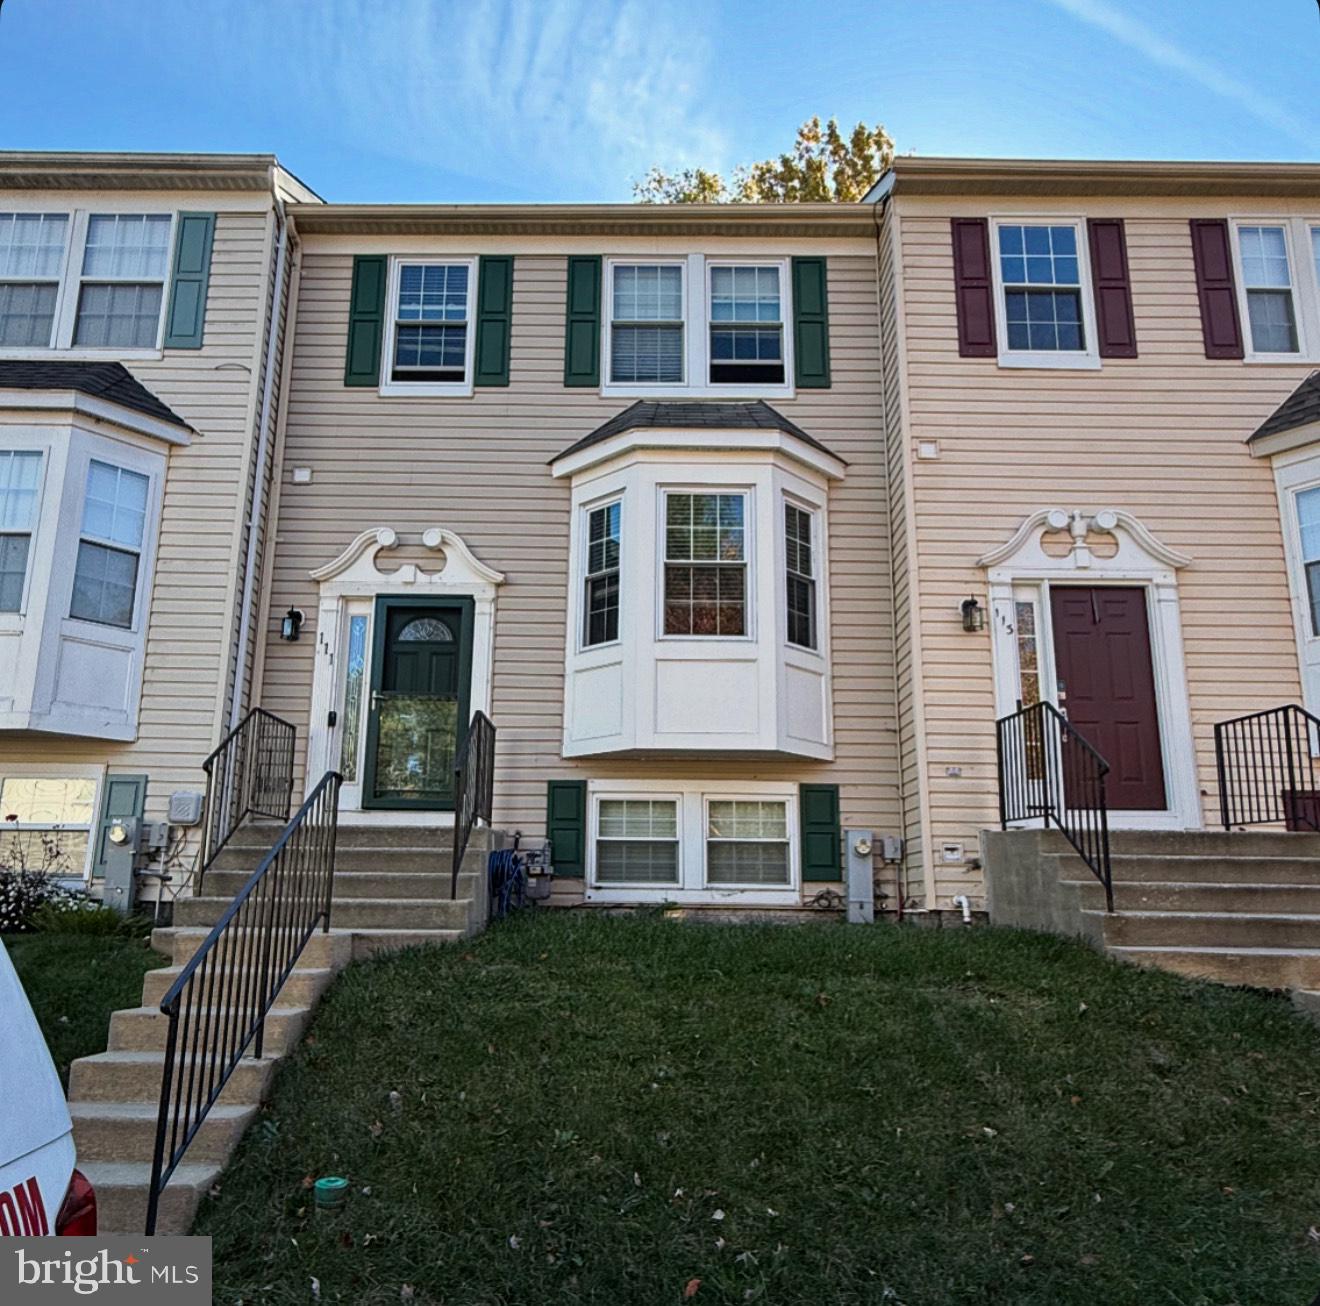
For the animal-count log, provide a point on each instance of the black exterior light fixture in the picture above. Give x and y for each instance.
(973, 615)
(291, 625)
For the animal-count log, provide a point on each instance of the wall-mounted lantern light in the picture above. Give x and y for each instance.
(973, 615)
(291, 625)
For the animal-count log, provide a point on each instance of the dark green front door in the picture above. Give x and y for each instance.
(421, 668)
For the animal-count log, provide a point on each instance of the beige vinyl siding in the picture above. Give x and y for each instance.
(478, 466)
(185, 658)
(1161, 435)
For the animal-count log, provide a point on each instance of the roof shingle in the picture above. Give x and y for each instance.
(1299, 409)
(109, 381)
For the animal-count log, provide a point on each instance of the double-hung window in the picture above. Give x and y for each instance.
(637, 841)
(1308, 523)
(601, 598)
(46, 822)
(705, 580)
(110, 545)
(800, 576)
(1268, 285)
(431, 333)
(126, 258)
(20, 481)
(31, 261)
(746, 325)
(1040, 274)
(747, 842)
(647, 324)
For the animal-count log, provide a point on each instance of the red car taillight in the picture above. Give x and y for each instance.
(77, 1217)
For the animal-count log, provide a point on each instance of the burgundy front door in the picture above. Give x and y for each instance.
(1107, 687)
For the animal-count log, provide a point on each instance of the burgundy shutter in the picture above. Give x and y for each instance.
(1114, 322)
(1213, 257)
(973, 287)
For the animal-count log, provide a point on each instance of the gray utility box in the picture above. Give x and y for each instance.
(120, 852)
(860, 882)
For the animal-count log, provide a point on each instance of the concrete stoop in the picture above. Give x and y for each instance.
(391, 890)
(1239, 907)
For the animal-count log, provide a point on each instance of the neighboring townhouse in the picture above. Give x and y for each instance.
(1091, 503)
(613, 475)
(141, 300)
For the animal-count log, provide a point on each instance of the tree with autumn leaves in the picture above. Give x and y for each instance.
(823, 165)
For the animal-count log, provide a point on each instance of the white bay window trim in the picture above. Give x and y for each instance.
(696, 381)
(1303, 287)
(692, 800)
(71, 277)
(1085, 359)
(391, 387)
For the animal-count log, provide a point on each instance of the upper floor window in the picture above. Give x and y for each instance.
(646, 324)
(746, 325)
(601, 605)
(1042, 288)
(800, 576)
(20, 480)
(430, 341)
(1267, 281)
(31, 259)
(705, 564)
(1315, 254)
(125, 262)
(109, 548)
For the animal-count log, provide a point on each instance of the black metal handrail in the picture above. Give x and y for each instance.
(474, 786)
(217, 1007)
(249, 774)
(1049, 772)
(1266, 767)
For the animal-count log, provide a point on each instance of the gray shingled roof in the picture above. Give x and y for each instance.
(1299, 409)
(716, 415)
(110, 381)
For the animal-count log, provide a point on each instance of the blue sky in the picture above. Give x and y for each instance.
(510, 100)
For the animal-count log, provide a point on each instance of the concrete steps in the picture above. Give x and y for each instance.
(391, 889)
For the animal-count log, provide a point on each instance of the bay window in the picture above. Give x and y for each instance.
(31, 260)
(646, 324)
(20, 480)
(601, 599)
(106, 572)
(800, 576)
(705, 564)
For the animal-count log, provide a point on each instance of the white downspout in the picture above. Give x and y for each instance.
(256, 520)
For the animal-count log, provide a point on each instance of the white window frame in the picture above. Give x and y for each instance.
(693, 798)
(641, 796)
(1305, 289)
(43, 456)
(390, 388)
(814, 543)
(584, 571)
(114, 546)
(57, 279)
(1087, 359)
(696, 329)
(790, 838)
(70, 280)
(62, 771)
(748, 495)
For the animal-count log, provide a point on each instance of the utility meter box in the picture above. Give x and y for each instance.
(858, 852)
(119, 852)
(185, 807)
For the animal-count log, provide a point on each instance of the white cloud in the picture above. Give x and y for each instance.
(591, 93)
(1160, 50)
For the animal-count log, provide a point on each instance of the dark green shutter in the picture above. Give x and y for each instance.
(494, 319)
(125, 795)
(818, 813)
(582, 328)
(188, 281)
(566, 825)
(811, 324)
(366, 320)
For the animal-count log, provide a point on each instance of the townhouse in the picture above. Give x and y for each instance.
(141, 302)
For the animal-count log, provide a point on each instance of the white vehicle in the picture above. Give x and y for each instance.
(40, 1191)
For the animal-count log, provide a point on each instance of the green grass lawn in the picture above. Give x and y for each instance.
(604, 1111)
(75, 981)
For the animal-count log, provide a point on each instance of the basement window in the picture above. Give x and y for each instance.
(46, 822)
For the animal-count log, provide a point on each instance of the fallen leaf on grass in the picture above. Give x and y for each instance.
(693, 1287)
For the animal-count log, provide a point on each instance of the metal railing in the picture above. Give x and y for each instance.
(249, 774)
(1266, 766)
(474, 786)
(1049, 772)
(217, 1007)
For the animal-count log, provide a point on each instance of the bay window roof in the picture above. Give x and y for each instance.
(110, 382)
(1301, 408)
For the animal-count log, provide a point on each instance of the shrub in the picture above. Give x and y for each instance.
(85, 916)
(23, 893)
